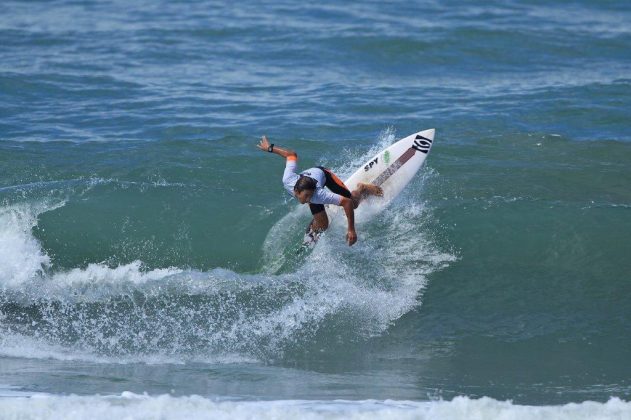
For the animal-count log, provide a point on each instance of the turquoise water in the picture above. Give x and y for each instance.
(146, 245)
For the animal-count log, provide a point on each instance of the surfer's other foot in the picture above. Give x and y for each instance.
(370, 189)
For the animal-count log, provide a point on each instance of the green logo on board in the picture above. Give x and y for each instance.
(386, 157)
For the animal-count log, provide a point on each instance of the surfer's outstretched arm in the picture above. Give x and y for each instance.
(349, 209)
(266, 146)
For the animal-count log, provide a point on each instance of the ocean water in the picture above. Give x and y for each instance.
(148, 262)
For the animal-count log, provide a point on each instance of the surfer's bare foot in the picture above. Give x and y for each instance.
(369, 189)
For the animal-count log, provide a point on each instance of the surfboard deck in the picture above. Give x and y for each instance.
(392, 169)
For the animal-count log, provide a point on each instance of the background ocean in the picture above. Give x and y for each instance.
(147, 248)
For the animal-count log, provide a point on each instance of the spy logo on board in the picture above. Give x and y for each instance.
(372, 163)
(422, 144)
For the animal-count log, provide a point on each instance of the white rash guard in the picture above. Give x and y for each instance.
(320, 195)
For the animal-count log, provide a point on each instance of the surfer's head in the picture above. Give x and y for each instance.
(304, 188)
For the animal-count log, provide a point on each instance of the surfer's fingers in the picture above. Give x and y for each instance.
(263, 144)
(351, 238)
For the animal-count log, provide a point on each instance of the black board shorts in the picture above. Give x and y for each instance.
(335, 185)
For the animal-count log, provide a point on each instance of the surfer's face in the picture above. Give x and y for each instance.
(303, 196)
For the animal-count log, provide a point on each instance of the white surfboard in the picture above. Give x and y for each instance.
(391, 169)
(394, 167)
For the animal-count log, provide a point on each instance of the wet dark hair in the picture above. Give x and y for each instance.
(305, 183)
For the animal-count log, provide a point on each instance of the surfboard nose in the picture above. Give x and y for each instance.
(428, 133)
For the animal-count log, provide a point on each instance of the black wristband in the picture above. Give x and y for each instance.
(271, 148)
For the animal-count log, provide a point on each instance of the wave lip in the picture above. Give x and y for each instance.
(130, 405)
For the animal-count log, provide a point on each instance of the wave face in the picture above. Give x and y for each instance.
(146, 245)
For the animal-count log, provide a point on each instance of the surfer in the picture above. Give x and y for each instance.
(319, 186)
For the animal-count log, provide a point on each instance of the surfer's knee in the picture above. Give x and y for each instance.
(320, 221)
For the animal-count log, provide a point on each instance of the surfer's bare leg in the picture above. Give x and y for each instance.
(319, 223)
(364, 190)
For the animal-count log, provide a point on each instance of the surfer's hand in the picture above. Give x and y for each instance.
(264, 144)
(351, 237)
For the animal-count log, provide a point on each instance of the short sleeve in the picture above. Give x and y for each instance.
(322, 196)
(290, 177)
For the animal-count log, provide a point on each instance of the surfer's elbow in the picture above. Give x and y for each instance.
(347, 204)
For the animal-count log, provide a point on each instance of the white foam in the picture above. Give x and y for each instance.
(17, 345)
(21, 256)
(134, 406)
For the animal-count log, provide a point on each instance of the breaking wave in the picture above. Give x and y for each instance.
(130, 313)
